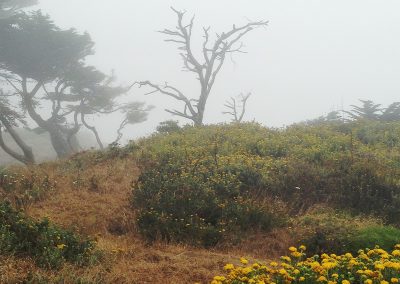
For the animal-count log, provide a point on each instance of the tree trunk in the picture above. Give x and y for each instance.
(200, 113)
(59, 141)
(94, 130)
(74, 144)
(58, 138)
(27, 157)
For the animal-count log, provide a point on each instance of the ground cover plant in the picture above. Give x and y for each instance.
(324, 229)
(369, 266)
(47, 244)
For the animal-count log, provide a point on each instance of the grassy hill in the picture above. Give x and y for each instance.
(175, 207)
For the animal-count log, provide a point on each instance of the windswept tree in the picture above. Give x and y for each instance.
(9, 117)
(368, 110)
(135, 112)
(391, 113)
(45, 68)
(205, 68)
(236, 107)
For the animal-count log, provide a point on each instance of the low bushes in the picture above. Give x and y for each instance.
(202, 184)
(326, 230)
(200, 201)
(48, 245)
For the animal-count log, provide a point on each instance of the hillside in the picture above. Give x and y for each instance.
(104, 214)
(176, 207)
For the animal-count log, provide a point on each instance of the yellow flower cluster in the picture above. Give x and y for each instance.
(375, 266)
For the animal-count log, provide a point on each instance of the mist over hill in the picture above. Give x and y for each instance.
(41, 145)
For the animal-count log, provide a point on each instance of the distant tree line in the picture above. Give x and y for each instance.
(367, 110)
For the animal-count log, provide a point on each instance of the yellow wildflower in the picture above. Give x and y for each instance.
(229, 266)
(219, 278)
(61, 246)
(244, 261)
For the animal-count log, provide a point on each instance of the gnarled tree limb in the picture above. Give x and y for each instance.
(206, 68)
(235, 109)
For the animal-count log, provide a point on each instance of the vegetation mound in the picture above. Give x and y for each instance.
(204, 185)
(241, 188)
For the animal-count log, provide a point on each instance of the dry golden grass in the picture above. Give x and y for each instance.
(94, 200)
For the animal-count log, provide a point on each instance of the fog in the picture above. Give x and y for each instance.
(314, 57)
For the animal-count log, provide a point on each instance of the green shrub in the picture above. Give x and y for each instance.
(303, 165)
(384, 236)
(114, 151)
(325, 230)
(168, 126)
(204, 170)
(48, 245)
(199, 200)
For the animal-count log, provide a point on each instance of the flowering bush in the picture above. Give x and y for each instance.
(204, 184)
(370, 266)
(201, 200)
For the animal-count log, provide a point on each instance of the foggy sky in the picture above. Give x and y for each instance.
(314, 56)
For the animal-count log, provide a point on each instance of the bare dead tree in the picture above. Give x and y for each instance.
(206, 69)
(237, 109)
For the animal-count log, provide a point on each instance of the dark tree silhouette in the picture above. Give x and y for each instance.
(9, 118)
(45, 68)
(391, 113)
(368, 110)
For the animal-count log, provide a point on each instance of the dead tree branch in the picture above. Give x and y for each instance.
(205, 67)
(235, 109)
